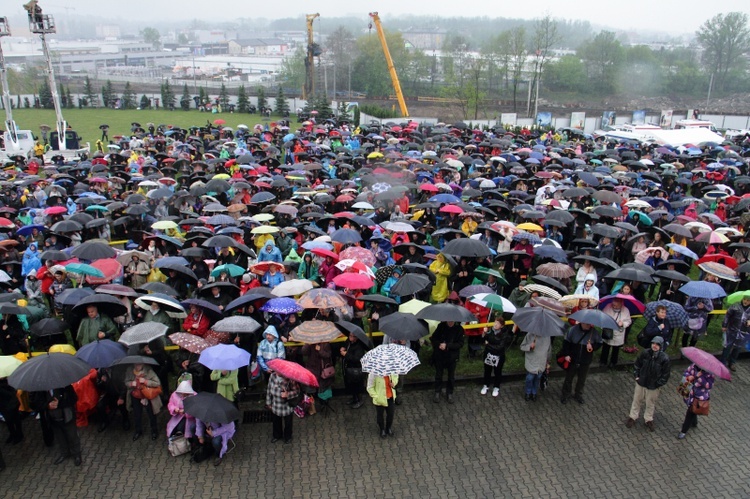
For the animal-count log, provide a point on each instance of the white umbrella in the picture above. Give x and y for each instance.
(143, 333)
(385, 360)
(363, 205)
(292, 287)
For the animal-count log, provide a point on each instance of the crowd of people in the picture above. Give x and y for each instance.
(318, 235)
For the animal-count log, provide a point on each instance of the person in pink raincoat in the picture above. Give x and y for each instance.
(180, 422)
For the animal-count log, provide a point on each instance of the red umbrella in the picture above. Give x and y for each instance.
(4, 222)
(722, 259)
(427, 187)
(110, 267)
(220, 122)
(56, 210)
(293, 371)
(451, 208)
(263, 267)
(360, 254)
(353, 280)
(344, 198)
(325, 252)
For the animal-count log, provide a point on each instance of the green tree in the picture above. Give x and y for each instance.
(369, 70)
(338, 45)
(281, 106)
(185, 98)
(152, 36)
(343, 112)
(603, 56)
(543, 38)
(725, 40)
(323, 106)
(167, 96)
(292, 72)
(243, 103)
(128, 97)
(45, 95)
(203, 97)
(145, 102)
(224, 98)
(88, 91)
(262, 101)
(108, 94)
(356, 116)
(567, 74)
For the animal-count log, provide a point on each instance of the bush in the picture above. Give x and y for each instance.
(378, 111)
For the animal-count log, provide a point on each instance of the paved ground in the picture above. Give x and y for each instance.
(478, 447)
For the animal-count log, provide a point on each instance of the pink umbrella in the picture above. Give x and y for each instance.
(110, 267)
(293, 371)
(358, 253)
(644, 255)
(707, 362)
(351, 280)
(56, 210)
(98, 180)
(712, 237)
(451, 208)
(631, 302)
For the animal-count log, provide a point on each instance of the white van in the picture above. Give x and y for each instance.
(685, 124)
(25, 143)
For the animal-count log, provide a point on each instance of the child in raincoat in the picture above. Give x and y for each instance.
(442, 270)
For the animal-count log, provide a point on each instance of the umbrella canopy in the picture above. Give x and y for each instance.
(719, 270)
(474, 289)
(550, 282)
(346, 236)
(321, 298)
(93, 250)
(386, 360)
(445, 312)
(106, 304)
(471, 248)
(543, 290)
(8, 364)
(403, 326)
(211, 408)
(555, 270)
(703, 289)
(737, 297)
(73, 296)
(168, 303)
(48, 327)
(190, 342)
(358, 253)
(539, 321)
(595, 317)
(224, 357)
(236, 324)
(676, 315)
(8, 308)
(117, 290)
(101, 353)
(293, 371)
(682, 250)
(410, 284)
(315, 331)
(574, 300)
(707, 362)
(548, 303)
(378, 299)
(634, 305)
(349, 328)
(143, 333)
(209, 308)
(83, 269)
(48, 372)
(630, 274)
(231, 269)
(281, 306)
(292, 287)
(136, 359)
(493, 302)
(351, 280)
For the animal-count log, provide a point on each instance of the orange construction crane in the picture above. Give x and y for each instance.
(312, 50)
(391, 67)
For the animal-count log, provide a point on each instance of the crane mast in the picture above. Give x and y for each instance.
(10, 125)
(309, 89)
(391, 67)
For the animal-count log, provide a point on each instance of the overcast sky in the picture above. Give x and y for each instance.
(670, 16)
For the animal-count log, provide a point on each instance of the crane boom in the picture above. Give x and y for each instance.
(10, 125)
(391, 67)
(309, 89)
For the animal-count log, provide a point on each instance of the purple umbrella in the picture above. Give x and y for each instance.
(707, 362)
(474, 290)
(224, 357)
(281, 306)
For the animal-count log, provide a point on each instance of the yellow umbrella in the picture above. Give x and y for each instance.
(265, 229)
(375, 155)
(164, 225)
(413, 307)
(221, 176)
(528, 226)
(62, 349)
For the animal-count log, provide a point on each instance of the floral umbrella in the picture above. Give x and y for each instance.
(281, 306)
(315, 331)
(321, 298)
(358, 253)
(190, 342)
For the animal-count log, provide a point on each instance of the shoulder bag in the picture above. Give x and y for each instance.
(700, 407)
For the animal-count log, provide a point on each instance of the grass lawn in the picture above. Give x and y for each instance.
(86, 121)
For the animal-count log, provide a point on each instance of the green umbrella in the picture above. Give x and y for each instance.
(97, 207)
(84, 269)
(229, 268)
(738, 296)
(484, 272)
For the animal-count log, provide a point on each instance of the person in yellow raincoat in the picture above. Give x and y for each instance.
(469, 226)
(442, 270)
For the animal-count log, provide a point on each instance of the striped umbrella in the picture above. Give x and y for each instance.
(385, 360)
(315, 331)
(543, 290)
(555, 270)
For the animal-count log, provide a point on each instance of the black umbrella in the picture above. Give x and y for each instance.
(410, 284)
(417, 268)
(402, 326)
(377, 299)
(349, 328)
(538, 321)
(251, 296)
(54, 255)
(561, 215)
(181, 269)
(605, 230)
(135, 359)
(106, 304)
(48, 327)
(595, 317)
(630, 274)
(671, 275)
(159, 287)
(608, 211)
(93, 250)
(211, 408)
(220, 242)
(66, 226)
(48, 372)
(7, 308)
(471, 248)
(444, 312)
(595, 260)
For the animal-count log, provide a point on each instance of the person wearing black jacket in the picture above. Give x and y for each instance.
(578, 349)
(58, 407)
(447, 341)
(108, 396)
(656, 326)
(9, 411)
(651, 369)
(354, 380)
(496, 341)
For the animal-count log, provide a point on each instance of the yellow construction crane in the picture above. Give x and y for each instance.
(312, 50)
(391, 67)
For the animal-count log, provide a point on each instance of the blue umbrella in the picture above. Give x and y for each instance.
(311, 245)
(101, 353)
(703, 289)
(281, 306)
(26, 230)
(224, 357)
(444, 198)
(676, 314)
(73, 296)
(553, 252)
(346, 236)
(682, 250)
(531, 238)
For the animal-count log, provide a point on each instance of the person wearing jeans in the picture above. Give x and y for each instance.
(536, 361)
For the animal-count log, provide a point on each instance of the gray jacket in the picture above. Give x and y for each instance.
(536, 360)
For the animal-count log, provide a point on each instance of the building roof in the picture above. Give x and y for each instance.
(260, 42)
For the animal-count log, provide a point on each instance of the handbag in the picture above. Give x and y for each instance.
(564, 364)
(607, 334)
(327, 372)
(695, 324)
(700, 407)
(178, 445)
(354, 373)
(684, 389)
(295, 401)
(149, 392)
